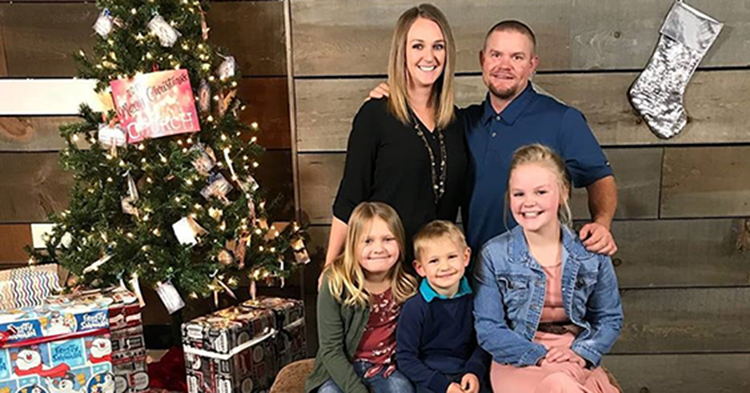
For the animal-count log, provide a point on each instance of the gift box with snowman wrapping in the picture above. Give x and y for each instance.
(56, 348)
(242, 348)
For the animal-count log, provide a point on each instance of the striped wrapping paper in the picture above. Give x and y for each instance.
(27, 286)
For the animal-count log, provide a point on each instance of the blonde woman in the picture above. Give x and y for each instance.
(358, 308)
(408, 150)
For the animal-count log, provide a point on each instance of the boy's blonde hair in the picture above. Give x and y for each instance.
(441, 98)
(346, 280)
(540, 154)
(438, 230)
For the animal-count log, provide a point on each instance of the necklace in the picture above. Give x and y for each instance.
(438, 180)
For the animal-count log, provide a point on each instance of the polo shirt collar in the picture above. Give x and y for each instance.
(513, 110)
(429, 294)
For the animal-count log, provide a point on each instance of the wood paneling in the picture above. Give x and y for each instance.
(3, 62)
(681, 373)
(637, 172)
(638, 177)
(706, 182)
(277, 182)
(13, 237)
(340, 37)
(714, 101)
(41, 38)
(33, 185)
(267, 104)
(253, 31)
(32, 133)
(685, 320)
(680, 253)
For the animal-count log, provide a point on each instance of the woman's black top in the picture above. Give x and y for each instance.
(387, 161)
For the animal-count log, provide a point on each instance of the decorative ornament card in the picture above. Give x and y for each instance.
(155, 105)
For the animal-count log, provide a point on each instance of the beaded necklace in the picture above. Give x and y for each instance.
(438, 180)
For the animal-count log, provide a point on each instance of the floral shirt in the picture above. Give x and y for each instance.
(378, 344)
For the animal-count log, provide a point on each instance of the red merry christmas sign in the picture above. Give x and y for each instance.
(155, 105)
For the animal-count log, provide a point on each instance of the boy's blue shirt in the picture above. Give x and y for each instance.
(436, 338)
(425, 289)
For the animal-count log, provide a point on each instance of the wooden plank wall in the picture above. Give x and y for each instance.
(682, 225)
(37, 40)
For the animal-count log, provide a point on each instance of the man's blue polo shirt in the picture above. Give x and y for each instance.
(492, 138)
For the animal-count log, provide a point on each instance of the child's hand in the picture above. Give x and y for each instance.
(564, 354)
(454, 388)
(470, 383)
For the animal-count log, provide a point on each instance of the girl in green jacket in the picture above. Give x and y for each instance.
(358, 307)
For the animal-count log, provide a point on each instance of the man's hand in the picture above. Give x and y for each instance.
(454, 388)
(470, 383)
(597, 238)
(380, 91)
(563, 354)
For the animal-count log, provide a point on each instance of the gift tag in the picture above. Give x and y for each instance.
(187, 231)
(225, 100)
(227, 68)
(251, 211)
(170, 297)
(136, 285)
(218, 187)
(127, 202)
(249, 184)
(204, 96)
(104, 24)
(206, 159)
(112, 135)
(300, 252)
(167, 34)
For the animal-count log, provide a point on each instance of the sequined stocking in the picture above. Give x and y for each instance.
(657, 93)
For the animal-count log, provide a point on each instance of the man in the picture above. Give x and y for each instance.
(513, 115)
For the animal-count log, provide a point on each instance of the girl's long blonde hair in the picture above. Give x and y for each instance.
(442, 91)
(346, 280)
(540, 154)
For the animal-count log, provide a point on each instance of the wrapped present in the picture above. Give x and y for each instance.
(242, 348)
(128, 346)
(55, 348)
(27, 286)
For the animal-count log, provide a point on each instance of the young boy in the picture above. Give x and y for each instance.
(436, 345)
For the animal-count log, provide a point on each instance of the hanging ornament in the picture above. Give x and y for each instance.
(225, 256)
(167, 34)
(227, 68)
(206, 159)
(95, 266)
(225, 100)
(263, 223)
(301, 255)
(657, 94)
(204, 26)
(215, 213)
(251, 211)
(112, 135)
(253, 289)
(249, 184)
(170, 297)
(127, 202)
(241, 248)
(275, 230)
(104, 23)
(135, 284)
(187, 231)
(218, 187)
(204, 96)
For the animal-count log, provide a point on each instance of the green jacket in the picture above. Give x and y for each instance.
(340, 330)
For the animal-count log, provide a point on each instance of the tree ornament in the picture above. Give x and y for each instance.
(187, 231)
(225, 257)
(104, 23)
(170, 297)
(301, 255)
(206, 159)
(657, 93)
(218, 187)
(204, 96)
(167, 34)
(127, 202)
(227, 68)
(112, 135)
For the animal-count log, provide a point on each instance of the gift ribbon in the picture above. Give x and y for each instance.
(226, 356)
(5, 336)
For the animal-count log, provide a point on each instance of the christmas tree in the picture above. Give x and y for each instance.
(163, 191)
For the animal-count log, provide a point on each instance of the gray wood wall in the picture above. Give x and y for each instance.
(682, 225)
(37, 40)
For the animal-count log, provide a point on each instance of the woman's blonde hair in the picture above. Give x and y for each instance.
(346, 280)
(543, 155)
(442, 91)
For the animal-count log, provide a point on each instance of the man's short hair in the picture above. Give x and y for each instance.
(513, 25)
(437, 230)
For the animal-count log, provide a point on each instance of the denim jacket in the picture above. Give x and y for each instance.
(509, 296)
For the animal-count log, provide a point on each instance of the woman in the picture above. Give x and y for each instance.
(408, 150)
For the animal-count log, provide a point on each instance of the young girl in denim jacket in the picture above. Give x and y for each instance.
(358, 307)
(546, 309)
